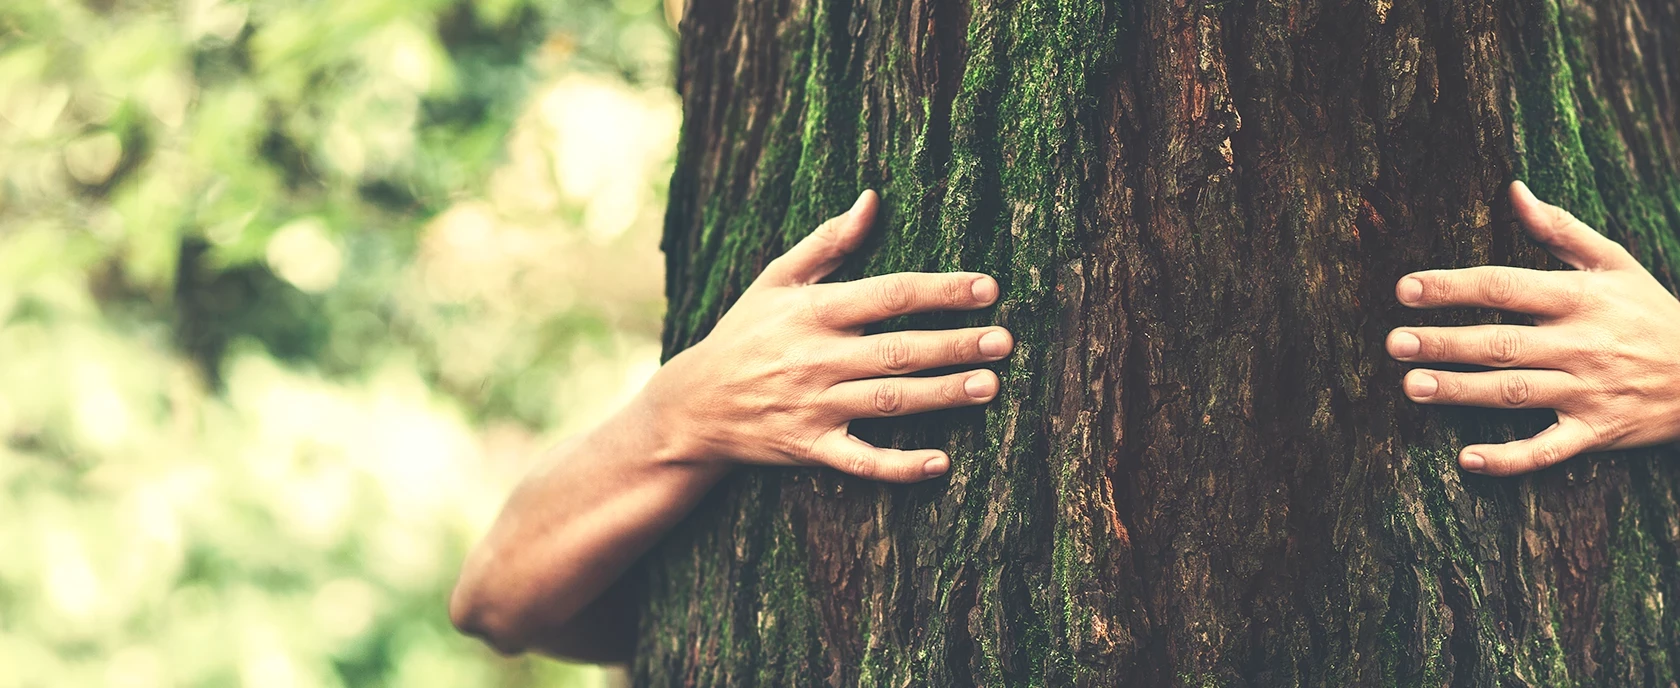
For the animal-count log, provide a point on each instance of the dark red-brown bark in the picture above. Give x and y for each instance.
(1201, 471)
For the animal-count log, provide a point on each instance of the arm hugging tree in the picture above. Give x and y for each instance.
(1199, 469)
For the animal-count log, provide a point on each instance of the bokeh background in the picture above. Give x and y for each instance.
(290, 293)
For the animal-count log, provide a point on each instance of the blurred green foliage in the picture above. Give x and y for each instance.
(289, 291)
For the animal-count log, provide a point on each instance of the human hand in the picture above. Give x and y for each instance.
(1604, 351)
(782, 375)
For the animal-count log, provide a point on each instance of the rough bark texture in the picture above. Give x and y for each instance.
(1201, 470)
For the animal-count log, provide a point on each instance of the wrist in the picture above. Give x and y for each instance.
(666, 424)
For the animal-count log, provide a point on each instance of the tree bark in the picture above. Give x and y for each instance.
(1201, 470)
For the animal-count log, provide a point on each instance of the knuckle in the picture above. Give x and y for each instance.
(1437, 288)
(799, 447)
(888, 397)
(894, 294)
(816, 311)
(895, 354)
(961, 349)
(859, 464)
(1606, 431)
(957, 291)
(953, 392)
(1451, 386)
(1505, 346)
(1576, 292)
(1436, 347)
(1547, 454)
(1448, 286)
(1500, 287)
(827, 236)
(1514, 390)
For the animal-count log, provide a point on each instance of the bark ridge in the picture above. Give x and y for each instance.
(1200, 471)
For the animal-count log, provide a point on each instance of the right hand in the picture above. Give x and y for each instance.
(1602, 351)
(782, 375)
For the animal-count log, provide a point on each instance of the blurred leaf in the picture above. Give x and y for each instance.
(289, 291)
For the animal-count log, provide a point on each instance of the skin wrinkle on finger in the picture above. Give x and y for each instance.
(1518, 290)
(958, 292)
(823, 250)
(1567, 236)
(895, 354)
(1500, 289)
(1438, 348)
(914, 351)
(1499, 346)
(1514, 390)
(961, 348)
(1556, 444)
(891, 397)
(1525, 388)
(874, 299)
(1505, 346)
(893, 295)
(888, 398)
(773, 383)
(1601, 353)
(815, 352)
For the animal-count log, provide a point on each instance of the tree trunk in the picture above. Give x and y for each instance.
(1201, 470)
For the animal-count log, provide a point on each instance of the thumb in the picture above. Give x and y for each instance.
(1563, 440)
(820, 252)
(1568, 238)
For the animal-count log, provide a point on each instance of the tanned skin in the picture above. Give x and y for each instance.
(786, 370)
(1603, 352)
(776, 383)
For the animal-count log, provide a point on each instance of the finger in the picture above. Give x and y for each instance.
(904, 396)
(854, 304)
(843, 452)
(820, 252)
(1498, 346)
(1564, 440)
(1535, 292)
(1568, 238)
(1510, 389)
(898, 353)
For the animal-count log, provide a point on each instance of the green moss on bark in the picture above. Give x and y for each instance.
(1199, 470)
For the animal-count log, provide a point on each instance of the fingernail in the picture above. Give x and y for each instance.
(1522, 189)
(1410, 290)
(1422, 385)
(1472, 462)
(936, 466)
(1404, 345)
(985, 290)
(979, 385)
(994, 344)
(857, 205)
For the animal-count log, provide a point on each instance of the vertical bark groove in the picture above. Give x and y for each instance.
(1200, 470)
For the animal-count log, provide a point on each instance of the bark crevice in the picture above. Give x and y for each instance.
(1200, 470)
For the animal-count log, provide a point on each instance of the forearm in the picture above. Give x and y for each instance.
(570, 529)
(777, 382)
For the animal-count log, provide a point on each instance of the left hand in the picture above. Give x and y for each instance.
(1604, 351)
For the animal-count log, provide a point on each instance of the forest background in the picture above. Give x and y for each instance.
(290, 292)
